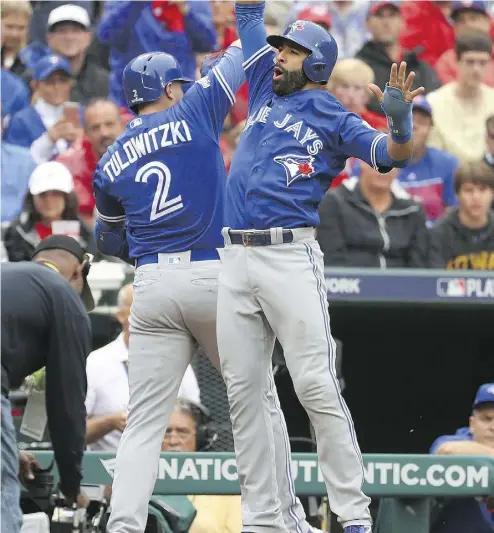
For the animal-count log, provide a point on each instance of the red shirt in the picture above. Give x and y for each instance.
(42, 230)
(168, 15)
(426, 26)
(81, 161)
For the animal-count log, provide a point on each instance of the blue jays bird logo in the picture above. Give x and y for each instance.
(297, 25)
(296, 166)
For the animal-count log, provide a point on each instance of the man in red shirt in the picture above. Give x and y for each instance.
(418, 20)
(103, 124)
(466, 15)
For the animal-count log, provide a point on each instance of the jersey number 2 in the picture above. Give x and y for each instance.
(161, 205)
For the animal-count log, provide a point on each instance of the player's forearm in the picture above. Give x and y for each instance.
(98, 427)
(464, 448)
(251, 28)
(400, 152)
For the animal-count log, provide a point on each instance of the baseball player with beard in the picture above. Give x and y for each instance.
(159, 194)
(297, 138)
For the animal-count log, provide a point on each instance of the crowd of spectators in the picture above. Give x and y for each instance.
(62, 101)
(62, 105)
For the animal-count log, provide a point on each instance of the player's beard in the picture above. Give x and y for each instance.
(291, 82)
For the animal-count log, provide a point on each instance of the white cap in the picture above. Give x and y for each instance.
(51, 176)
(69, 13)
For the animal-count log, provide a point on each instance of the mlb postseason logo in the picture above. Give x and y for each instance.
(465, 288)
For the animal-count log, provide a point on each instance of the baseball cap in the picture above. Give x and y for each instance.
(376, 5)
(477, 5)
(69, 13)
(51, 176)
(485, 394)
(69, 244)
(318, 14)
(49, 64)
(421, 104)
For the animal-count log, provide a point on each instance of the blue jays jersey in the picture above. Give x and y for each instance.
(291, 147)
(165, 176)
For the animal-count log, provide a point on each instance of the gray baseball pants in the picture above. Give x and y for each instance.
(173, 310)
(280, 291)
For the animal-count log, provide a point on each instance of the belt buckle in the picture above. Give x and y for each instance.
(246, 238)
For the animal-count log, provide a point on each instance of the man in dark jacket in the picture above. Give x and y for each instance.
(464, 238)
(372, 222)
(45, 324)
(384, 23)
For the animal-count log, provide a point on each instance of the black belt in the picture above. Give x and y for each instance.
(257, 238)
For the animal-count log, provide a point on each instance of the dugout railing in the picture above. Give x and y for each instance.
(406, 485)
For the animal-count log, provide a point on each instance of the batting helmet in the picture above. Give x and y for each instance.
(322, 48)
(146, 76)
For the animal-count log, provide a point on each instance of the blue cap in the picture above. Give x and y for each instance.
(421, 104)
(47, 65)
(485, 394)
(477, 5)
(376, 5)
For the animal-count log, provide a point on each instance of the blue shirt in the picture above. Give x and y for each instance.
(165, 176)
(431, 181)
(463, 434)
(292, 146)
(15, 95)
(17, 166)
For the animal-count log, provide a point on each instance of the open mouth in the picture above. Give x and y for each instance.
(278, 73)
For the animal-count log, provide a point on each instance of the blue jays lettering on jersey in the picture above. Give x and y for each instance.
(292, 146)
(165, 176)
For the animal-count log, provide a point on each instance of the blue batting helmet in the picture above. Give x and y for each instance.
(146, 76)
(322, 48)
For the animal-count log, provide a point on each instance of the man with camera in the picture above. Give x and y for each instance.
(45, 324)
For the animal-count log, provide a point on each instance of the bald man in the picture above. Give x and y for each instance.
(103, 123)
(107, 384)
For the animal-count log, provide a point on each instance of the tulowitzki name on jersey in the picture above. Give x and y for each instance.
(306, 136)
(147, 143)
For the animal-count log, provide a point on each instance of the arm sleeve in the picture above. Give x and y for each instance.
(109, 209)
(418, 254)
(330, 232)
(43, 149)
(16, 133)
(70, 344)
(358, 139)
(211, 98)
(199, 26)
(116, 20)
(259, 56)
(443, 440)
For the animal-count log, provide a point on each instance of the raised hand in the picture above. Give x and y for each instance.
(397, 79)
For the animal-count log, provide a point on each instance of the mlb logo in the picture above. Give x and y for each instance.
(136, 122)
(174, 260)
(453, 288)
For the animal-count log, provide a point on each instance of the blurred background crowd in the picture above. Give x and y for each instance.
(62, 105)
(62, 101)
